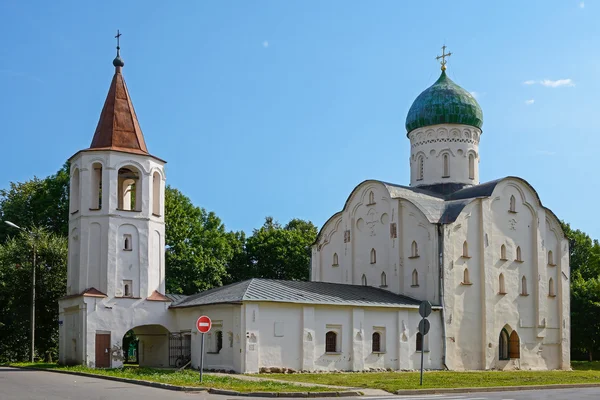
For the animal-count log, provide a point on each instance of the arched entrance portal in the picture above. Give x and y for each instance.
(152, 348)
(130, 348)
(509, 346)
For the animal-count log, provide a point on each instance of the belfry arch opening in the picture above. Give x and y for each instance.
(74, 195)
(129, 189)
(96, 187)
(156, 204)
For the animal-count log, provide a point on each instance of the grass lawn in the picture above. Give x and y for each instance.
(184, 378)
(584, 372)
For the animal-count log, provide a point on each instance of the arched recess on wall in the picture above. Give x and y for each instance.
(466, 278)
(383, 279)
(373, 256)
(503, 253)
(364, 280)
(335, 260)
(551, 291)
(129, 188)
(519, 255)
(75, 194)
(415, 278)
(501, 284)
(523, 286)
(156, 197)
(550, 258)
(96, 187)
(512, 206)
(414, 249)
(465, 249)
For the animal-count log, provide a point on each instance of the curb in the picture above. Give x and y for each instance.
(496, 389)
(199, 388)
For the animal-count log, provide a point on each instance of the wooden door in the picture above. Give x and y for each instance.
(514, 348)
(102, 350)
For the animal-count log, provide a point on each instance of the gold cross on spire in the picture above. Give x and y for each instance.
(443, 57)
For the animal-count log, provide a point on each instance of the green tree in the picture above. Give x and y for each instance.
(277, 252)
(16, 260)
(585, 315)
(198, 248)
(584, 253)
(37, 202)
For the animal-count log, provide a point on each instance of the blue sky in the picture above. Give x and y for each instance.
(282, 107)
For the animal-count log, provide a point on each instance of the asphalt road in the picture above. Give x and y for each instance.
(18, 384)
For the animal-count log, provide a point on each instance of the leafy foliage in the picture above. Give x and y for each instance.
(198, 247)
(277, 252)
(16, 261)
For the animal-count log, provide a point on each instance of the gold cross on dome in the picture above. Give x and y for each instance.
(443, 57)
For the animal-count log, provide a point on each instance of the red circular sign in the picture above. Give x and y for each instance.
(203, 324)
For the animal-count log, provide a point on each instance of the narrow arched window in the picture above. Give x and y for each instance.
(519, 254)
(419, 341)
(383, 279)
(364, 280)
(415, 278)
(471, 166)
(513, 204)
(126, 290)
(75, 191)
(373, 256)
(503, 252)
(551, 288)
(335, 259)
(376, 342)
(127, 245)
(550, 258)
(156, 206)
(420, 171)
(414, 249)
(465, 249)
(524, 286)
(466, 279)
(331, 342)
(501, 287)
(96, 198)
(371, 198)
(446, 166)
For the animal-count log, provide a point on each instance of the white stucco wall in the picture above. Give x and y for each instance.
(432, 142)
(370, 226)
(293, 336)
(476, 314)
(96, 253)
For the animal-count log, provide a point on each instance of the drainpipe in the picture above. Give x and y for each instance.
(441, 284)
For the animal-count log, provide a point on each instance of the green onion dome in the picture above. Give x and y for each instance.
(444, 102)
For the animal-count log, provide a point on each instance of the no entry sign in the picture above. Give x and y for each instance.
(203, 324)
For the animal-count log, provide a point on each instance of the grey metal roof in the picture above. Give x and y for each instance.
(175, 297)
(267, 290)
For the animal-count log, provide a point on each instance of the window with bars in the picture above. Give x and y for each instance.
(376, 342)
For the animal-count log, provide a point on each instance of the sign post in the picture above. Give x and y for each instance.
(203, 325)
(424, 325)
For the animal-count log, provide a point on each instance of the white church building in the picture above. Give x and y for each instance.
(490, 257)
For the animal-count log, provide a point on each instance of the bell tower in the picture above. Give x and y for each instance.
(116, 221)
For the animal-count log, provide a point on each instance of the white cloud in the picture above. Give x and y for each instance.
(551, 83)
(265, 44)
(545, 152)
(529, 102)
(557, 83)
(582, 5)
